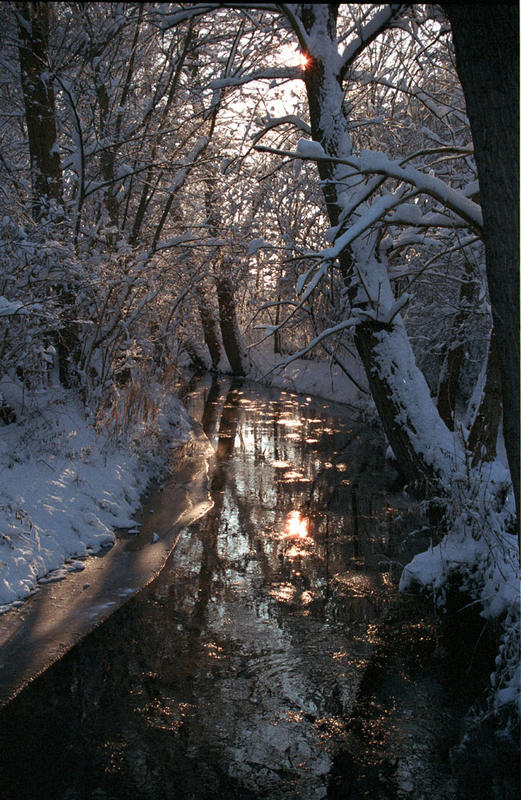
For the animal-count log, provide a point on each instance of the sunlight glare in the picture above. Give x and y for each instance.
(297, 525)
(303, 61)
(293, 57)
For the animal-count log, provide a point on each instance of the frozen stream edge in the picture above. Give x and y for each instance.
(54, 619)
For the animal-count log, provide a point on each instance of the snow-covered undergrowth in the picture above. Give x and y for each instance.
(66, 483)
(481, 557)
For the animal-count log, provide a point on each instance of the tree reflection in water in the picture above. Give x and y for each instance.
(232, 674)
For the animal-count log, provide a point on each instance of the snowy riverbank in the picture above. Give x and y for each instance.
(65, 487)
(320, 378)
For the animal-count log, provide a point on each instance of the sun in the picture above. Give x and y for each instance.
(291, 56)
(304, 61)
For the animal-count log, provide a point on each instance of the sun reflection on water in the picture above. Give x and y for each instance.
(293, 476)
(297, 525)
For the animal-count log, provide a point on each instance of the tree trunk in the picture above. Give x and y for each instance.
(46, 176)
(420, 440)
(277, 349)
(449, 380)
(229, 326)
(39, 101)
(486, 42)
(231, 337)
(484, 430)
(210, 327)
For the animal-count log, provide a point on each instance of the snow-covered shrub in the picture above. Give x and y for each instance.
(36, 298)
(84, 319)
(480, 555)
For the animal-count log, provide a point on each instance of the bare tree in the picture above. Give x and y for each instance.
(40, 108)
(487, 58)
(419, 438)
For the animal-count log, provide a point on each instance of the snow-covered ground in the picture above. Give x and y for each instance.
(64, 488)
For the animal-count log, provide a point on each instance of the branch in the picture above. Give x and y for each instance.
(348, 323)
(379, 163)
(289, 119)
(197, 10)
(296, 24)
(374, 163)
(430, 220)
(369, 32)
(275, 73)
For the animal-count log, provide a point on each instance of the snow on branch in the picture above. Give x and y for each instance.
(429, 220)
(310, 149)
(182, 15)
(274, 122)
(258, 244)
(275, 73)
(10, 307)
(379, 23)
(320, 273)
(375, 212)
(379, 163)
(188, 240)
(371, 162)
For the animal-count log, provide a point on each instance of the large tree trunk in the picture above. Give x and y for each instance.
(229, 326)
(486, 41)
(46, 176)
(39, 101)
(420, 440)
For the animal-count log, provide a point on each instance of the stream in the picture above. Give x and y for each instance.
(268, 659)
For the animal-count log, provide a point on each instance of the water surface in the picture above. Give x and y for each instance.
(234, 673)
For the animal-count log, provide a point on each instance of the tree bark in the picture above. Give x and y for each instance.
(230, 334)
(450, 375)
(229, 325)
(39, 101)
(485, 427)
(486, 41)
(210, 327)
(46, 177)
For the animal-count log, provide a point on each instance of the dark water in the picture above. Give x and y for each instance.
(236, 674)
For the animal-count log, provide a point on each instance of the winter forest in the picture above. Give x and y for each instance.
(263, 191)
